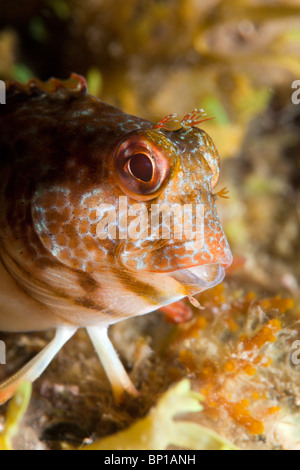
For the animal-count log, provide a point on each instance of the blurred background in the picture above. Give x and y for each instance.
(235, 58)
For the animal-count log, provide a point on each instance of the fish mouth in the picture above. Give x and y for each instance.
(200, 278)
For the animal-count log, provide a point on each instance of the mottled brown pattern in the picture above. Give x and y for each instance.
(59, 148)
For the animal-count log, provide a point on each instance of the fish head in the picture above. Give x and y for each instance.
(169, 179)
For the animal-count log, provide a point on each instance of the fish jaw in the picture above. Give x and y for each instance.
(200, 278)
(169, 256)
(195, 270)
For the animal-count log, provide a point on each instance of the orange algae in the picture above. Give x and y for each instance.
(199, 324)
(188, 359)
(191, 329)
(230, 366)
(250, 297)
(255, 395)
(249, 370)
(240, 306)
(265, 335)
(232, 324)
(214, 295)
(216, 378)
(277, 303)
(274, 410)
(271, 411)
(240, 413)
(213, 376)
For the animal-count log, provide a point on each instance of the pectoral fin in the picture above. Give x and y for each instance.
(34, 368)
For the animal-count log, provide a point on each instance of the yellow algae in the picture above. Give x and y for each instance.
(15, 413)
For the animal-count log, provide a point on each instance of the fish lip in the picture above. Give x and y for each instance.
(195, 277)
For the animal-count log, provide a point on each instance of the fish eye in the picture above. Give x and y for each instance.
(141, 167)
(143, 164)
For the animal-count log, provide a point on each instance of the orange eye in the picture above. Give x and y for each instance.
(143, 163)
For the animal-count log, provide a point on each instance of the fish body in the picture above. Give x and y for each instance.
(66, 259)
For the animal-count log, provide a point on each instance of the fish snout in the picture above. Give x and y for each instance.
(224, 257)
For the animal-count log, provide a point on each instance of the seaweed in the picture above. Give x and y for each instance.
(158, 430)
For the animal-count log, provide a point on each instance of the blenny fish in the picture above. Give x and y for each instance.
(64, 156)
